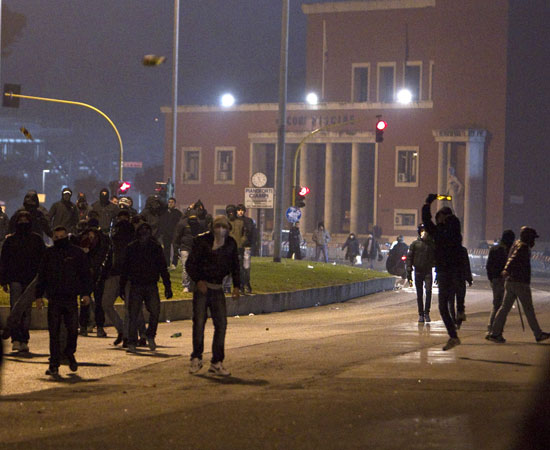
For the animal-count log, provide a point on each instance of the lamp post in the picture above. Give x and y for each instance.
(44, 172)
(175, 57)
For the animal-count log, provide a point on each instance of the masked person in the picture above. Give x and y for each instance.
(213, 257)
(39, 218)
(249, 247)
(21, 256)
(143, 264)
(517, 273)
(236, 231)
(352, 248)
(125, 204)
(64, 213)
(187, 229)
(82, 206)
(294, 242)
(154, 209)
(106, 211)
(168, 223)
(63, 275)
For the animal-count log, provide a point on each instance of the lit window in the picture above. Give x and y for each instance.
(406, 166)
(191, 166)
(360, 83)
(225, 165)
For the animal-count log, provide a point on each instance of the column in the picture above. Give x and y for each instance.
(329, 187)
(473, 193)
(354, 192)
(306, 178)
(442, 167)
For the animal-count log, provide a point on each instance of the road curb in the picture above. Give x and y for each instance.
(249, 304)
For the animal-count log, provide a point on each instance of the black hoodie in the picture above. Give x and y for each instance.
(64, 214)
(39, 220)
(106, 210)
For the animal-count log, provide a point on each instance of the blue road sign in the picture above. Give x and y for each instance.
(293, 214)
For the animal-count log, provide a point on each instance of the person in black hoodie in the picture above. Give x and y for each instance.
(39, 219)
(187, 229)
(154, 209)
(214, 255)
(143, 264)
(63, 275)
(21, 256)
(64, 212)
(168, 222)
(106, 211)
(448, 260)
(82, 206)
(498, 255)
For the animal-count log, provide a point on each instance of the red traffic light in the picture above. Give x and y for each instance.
(304, 190)
(124, 186)
(381, 125)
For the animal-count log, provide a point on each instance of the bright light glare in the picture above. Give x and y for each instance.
(404, 96)
(312, 98)
(381, 125)
(227, 100)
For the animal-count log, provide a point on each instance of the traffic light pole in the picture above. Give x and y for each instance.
(69, 102)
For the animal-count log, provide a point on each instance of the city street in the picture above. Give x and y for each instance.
(360, 374)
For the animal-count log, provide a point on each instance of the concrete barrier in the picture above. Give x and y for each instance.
(255, 304)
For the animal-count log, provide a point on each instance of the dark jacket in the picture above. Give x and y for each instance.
(154, 209)
(421, 256)
(168, 222)
(144, 263)
(518, 265)
(106, 210)
(294, 240)
(249, 231)
(21, 256)
(204, 264)
(64, 273)
(4, 225)
(374, 248)
(123, 233)
(466, 271)
(352, 247)
(395, 265)
(39, 220)
(64, 214)
(188, 228)
(448, 241)
(498, 255)
(97, 257)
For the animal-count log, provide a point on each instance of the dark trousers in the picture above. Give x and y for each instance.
(497, 285)
(447, 291)
(215, 301)
(168, 254)
(421, 281)
(97, 304)
(294, 250)
(140, 294)
(20, 332)
(460, 300)
(65, 310)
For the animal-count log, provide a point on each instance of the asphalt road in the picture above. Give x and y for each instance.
(361, 374)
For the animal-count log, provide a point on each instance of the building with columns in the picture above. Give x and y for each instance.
(463, 63)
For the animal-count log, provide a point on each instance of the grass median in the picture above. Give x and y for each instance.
(269, 277)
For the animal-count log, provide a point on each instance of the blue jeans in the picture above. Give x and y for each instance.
(140, 294)
(20, 332)
(215, 301)
(319, 249)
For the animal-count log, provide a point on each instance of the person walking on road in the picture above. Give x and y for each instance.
(421, 258)
(214, 255)
(321, 238)
(106, 211)
(167, 228)
(448, 243)
(517, 273)
(143, 264)
(498, 256)
(82, 206)
(39, 217)
(371, 250)
(64, 213)
(21, 256)
(188, 228)
(458, 313)
(63, 275)
(352, 248)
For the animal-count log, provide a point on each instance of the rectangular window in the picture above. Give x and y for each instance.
(360, 82)
(225, 165)
(386, 82)
(406, 173)
(191, 165)
(219, 210)
(413, 79)
(405, 219)
(431, 92)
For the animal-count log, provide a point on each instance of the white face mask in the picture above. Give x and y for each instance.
(220, 233)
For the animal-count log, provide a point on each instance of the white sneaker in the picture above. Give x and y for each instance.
(151, 344)
(131, 348)
(196, 365)
(15, 346)
(218, 369)
(185, 289)
(452, 342)
(23, 347)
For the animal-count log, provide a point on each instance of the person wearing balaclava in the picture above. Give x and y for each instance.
(154, 209)
(39, 219)
(214, 256)
(64, 213)
(82, 206)
(187, 229)
(105, 210)
(517, 285)
(352, 248)
(19, 263)
(143, 265)
(64, 275)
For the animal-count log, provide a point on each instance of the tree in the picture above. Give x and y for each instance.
(145, 180)
(12, 25)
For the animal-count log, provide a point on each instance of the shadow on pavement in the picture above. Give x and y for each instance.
(233, 380)
(27, 355)
(512, 363)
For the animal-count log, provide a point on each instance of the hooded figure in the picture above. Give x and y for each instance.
(154, 208)
(106, 210)
(64, 212)
(82, 206)
(39, 220)
(352, 248)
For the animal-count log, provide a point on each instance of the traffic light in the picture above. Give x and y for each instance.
(124, 187)
(300, 196)
(380, 127)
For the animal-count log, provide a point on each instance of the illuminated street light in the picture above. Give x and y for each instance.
(312, 98)
(227, 100)
(404, 96)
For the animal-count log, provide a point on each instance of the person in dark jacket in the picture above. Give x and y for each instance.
(82, 206)
(459, 313)
(352, 248)
(168, 223)
(371, 249)
(498, 255)
(448, 260)
(395, 264)
(64, 212)
(106, 211)
(187, 229)
(154, 209)
(21, 256)
(125, 204)
(4, 225)
(39, 219)
(517, 273)
(294, 241)
(421, 257)
(143, 264)
(63, 275)
(213, 257)
(249, 244)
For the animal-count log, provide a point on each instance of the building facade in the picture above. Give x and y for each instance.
(458, 61)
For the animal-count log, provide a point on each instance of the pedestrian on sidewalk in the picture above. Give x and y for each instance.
(352, 248)
(168, 222)
(517, 285)
(371, 250)
(248, 248)
(294, 241)
(498, 256)
(20, 259)
(143, 264)
(214, 255)
(421, 257)
(448, 243)
(321, 238)
(63, 275)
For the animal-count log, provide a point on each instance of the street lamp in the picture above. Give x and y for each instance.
(312, 98)
(44, 172)
(227, 100)
(404, 96)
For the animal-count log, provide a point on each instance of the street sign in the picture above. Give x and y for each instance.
(133, 164)
(293, 214)
(258, 197)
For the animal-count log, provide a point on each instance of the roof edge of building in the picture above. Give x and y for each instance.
(371, 5)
